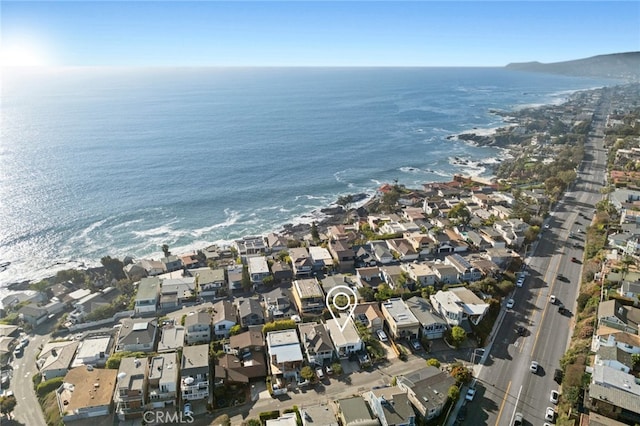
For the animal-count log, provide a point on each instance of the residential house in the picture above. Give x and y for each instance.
(190, 261)
(91, 302)
(276, 243)
(629, 289)
(432, 325)
(369, 277)
(321, 258)
(420, 273)
(137, 335)
(54, 360)
(197, 327)
(249, 311)
(395, 276)
(244, 359)
(163, 380)
(354, 411)
(614, 393)
(381, 252)
(211, 282)
(317, 415)
(402, 323)
(457, 305)
(346, 340)
(316, 343)
(614, 314)
(500, 256)
(93, 351)
(194, 370)
(343, 232)
(627, 242)
(234, 277)
(147, 296)
(33, 314)
(281, 272)
(174, 292)
(413, 214)
(301, 262)
(135, 271)
(258, 269)
(427, 390)
(285, 354)
(251, 341)
(466, 271)
(445, 274)
(223, 318)
(172, 338)
(250, 245)
(331, 281)
(512, 231)
(422, 243)
(152, 267)
(391, 406)
(342, 254)
(172, 263)
(612, 337)
(78, 396)
(364, 257)
(308, 295)
(287, 419)
(402, 249)
(130, 397)
(369, 315)
(278, 304)
(614, 357)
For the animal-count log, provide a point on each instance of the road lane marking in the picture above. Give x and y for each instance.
(504, 400)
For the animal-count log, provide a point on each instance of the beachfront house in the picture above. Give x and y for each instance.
(258, 269)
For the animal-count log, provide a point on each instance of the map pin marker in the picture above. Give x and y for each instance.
(343, 299)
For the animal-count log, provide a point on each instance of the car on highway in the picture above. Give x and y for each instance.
(555, 395)
(574, 260)
(550, 414)
(510, 303)
(382, 335)
(534, 367)
(520, 330)
(520, 281)
(552, 299)
(470, 394)
(562, 309)
(557, 376)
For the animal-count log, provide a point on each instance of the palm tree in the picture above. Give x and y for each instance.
(165, 250)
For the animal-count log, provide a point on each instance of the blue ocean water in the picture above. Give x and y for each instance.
(97, 162)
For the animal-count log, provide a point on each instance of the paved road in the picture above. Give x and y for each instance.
(27, 411)
(505, 383)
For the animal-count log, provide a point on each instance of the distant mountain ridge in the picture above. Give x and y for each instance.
(617, 65)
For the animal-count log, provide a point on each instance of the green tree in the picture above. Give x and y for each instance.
(7, 404)
(307, 373)
(337, 368)
(268, 281)
(285, 324)
(314, 232)
(635, 359)
(461, 213)
(39, 286)
(114, 360)
(367, 294)
(114, 266)
(531, 234)
(236, 329)
(453, 393)
(460, 373)
(345, 201)
(246, 278)
(433, 362)
(458, 335)
(165, 250)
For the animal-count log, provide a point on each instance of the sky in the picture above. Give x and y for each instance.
(308, 33)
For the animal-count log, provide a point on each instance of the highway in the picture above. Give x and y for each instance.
(505, 383)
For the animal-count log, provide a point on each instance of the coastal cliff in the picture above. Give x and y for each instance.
(625, 66)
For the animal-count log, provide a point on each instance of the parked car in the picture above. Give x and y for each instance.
(550, 414)
(415, 344)
(552, 299)
(187, 409)
(520, 330)
(510, 303)
(555, 395)
(319, 373)
(382, 336)
(470, 394)
(557, 376)
(534, 367)
(329, 370)
(517, 420)
(520, 282)
(574, 260)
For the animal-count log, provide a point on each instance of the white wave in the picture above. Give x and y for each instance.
(161, 230)
(232, 218)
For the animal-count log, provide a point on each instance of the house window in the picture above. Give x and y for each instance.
(222, 327)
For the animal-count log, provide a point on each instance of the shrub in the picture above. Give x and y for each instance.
(47, 386)
(268, 415)
(433, 362)
(453, 393)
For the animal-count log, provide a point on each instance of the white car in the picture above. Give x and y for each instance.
(555, 395)
(533, 367)
(552, 299)
(520, 282)
(382, 336)
(510, 303)
(319, 373)
(546, 226)
(550, 414)
(470, 394)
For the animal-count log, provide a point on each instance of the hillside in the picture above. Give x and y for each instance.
(618, 65)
